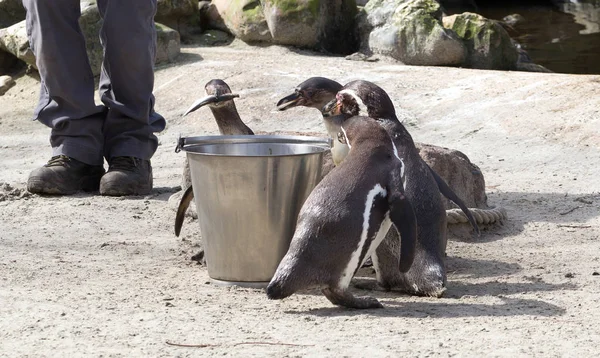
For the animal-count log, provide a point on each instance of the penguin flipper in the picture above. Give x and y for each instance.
(403, 217)
(186, 198)
(451, 195)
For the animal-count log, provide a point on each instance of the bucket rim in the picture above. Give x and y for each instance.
(323, 143)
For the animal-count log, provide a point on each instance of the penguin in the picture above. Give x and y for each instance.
(423, 189)
(220, 101)
(315, 92)
(346, 217)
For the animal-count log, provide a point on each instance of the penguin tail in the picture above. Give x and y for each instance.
(285, 281)
(276, 290)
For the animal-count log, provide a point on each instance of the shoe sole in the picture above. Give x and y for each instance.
(132, 190)
(86, 184)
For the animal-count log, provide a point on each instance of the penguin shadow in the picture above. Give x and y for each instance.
(428, 307)
(185, 57)
(453, 304)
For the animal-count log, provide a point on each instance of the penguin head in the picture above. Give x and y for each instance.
(361, 98)
(218, 95)
(315, 92)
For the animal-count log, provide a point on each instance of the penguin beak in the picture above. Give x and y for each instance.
(288, 102)
(210, 100)
(201, 102)
(331, 109)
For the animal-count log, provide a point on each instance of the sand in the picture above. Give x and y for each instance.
(86, 275)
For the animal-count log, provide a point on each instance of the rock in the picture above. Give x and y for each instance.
(513, 20)
(210, 17)
(489, 45)
(359, 56)
(11, 12)
(411, 32)
(314, 24)
(525, 63)
(14, 39)
(168, 44)
(175, 9)
(531, 67)
(464, 177)
(6, 83)
(244, 19)
(180, 15)
(213, 38)
(91, 23)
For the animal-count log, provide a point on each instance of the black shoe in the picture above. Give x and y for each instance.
(63, 175)
(127, 176)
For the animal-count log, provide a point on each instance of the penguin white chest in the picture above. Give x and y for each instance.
(339, 152)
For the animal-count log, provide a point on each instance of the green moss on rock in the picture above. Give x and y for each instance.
(489, 45)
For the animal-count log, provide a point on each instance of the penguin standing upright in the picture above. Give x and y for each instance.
(427, 276)
(220, 101)
(345, 218)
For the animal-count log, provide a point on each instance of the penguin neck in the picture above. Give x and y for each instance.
(400, 134)
(333, 125)
(229, 121)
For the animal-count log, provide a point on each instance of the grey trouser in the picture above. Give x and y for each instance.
(125, 123)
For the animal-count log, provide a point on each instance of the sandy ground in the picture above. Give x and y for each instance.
(94, 276)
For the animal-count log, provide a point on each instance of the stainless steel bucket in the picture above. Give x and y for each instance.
(248, 192)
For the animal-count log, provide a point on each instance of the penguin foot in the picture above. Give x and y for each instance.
(346, 299)
(425, 281)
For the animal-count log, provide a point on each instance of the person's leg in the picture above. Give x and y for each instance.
(129, 39)
(66, 101)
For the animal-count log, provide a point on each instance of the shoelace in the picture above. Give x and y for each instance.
(58, 161)
(124, 163)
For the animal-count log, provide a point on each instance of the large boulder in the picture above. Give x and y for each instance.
(244, 19)
(11, 12)
(181, 15)
(489, 45)
(464, 177)
(321, 24)
(14, 39)
(411, 32)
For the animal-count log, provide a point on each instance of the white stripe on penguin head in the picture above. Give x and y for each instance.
(362, 109)
(355, 256)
